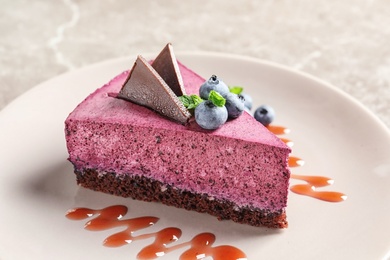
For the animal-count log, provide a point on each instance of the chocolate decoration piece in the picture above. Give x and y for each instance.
(166, 66)
(144, 86)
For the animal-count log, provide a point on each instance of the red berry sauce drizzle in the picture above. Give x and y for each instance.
(312, 182)
(200, 246)
(111, 217)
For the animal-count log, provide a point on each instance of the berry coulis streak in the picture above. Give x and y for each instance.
(199, 247)
(310, 190)
(312, 182)
(278, 130)
(295, 161)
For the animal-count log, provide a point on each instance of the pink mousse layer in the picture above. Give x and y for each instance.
(241, 161)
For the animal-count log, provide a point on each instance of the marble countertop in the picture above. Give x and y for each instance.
(345, 43)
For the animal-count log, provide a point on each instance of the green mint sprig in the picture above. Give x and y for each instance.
(217, 99)
(190, 101)
(236, 89)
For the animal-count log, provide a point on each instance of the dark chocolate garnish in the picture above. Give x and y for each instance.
(166, 66)
(144, 86)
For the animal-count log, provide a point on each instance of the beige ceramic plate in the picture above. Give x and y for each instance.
(335, 136)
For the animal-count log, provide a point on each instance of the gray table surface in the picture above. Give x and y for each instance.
(345, 43)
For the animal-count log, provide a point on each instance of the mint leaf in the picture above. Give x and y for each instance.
(195, 101)
(236, 89)
(217, 99)
(186, 100)
(190, 102)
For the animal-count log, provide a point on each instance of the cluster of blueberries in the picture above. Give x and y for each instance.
(210, 115)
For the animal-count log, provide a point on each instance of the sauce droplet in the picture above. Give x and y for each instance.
(288, 142)
(310, 188)
(110, 217)
(295, 161)
(278, 130)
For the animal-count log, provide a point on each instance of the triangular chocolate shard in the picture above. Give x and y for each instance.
(166, 66)
(145, 87)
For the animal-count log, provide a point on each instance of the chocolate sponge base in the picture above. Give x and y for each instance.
(142, 188)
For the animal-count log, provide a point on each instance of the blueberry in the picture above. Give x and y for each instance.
(248, 100)
(209, 116)
(234, 105)
(214, 83)
(264, 114)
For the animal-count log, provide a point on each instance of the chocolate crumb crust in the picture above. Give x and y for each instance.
(143, 188)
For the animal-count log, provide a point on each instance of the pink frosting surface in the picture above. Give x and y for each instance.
(241, 161)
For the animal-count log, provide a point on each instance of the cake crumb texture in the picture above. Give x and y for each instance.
(145, 189)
